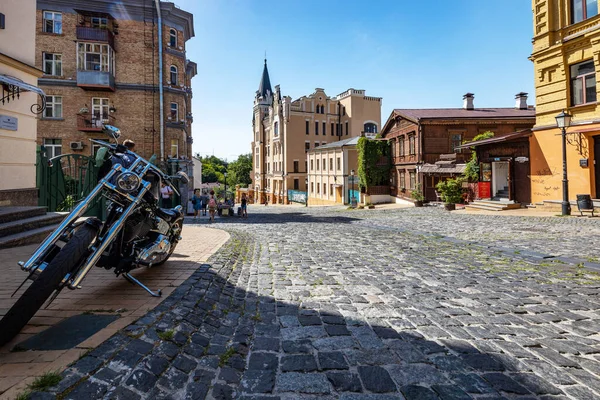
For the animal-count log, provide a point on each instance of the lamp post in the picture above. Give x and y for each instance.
(225, 196)
(306, 201)
(352, 197)
(563, 121)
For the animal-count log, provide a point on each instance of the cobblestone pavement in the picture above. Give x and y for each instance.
(358, 305)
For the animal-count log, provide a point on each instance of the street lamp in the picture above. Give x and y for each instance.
(225, 196)
(563, 121)
(306, 201)
(352, 197)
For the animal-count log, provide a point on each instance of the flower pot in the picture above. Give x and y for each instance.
(450, 206)
(418, 203)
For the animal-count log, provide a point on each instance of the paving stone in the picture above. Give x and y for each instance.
(258, 381)
(196, 391)
(87, 390)
(450, 392)
(297, 346)
(173, 379)
(184, 364)
(263, 361)
(415, 374)
(108, 376)
(230, 375)
(343, 381)
(483, 362)
(222, 392)
(121, 393)
(337, 330)
(504, 383)
(300, 362)
(416, 392)
(376, 379)
(312, 383)
(332, 360)
(156, 364)
(142, 380)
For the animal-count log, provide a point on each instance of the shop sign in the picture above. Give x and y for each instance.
(485, 190)
(521, 159)
(9, 123)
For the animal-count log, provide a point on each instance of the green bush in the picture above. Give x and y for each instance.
(417, 193)
(451, 190)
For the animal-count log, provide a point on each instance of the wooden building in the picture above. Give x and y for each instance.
(421, 136)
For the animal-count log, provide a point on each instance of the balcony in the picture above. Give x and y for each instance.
(96, 80)
(95, 35)
(87, 122)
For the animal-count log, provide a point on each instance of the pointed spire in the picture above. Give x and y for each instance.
(264, 89)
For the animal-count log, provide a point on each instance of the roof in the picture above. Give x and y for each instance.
(443, 169)
(498, 139)
(340, 143)
(453, 113)
(264, 89)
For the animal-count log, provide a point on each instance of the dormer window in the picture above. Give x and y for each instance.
(172, 38)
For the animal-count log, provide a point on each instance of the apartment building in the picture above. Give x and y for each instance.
(566, 44)
(102, 64)
(284, 130)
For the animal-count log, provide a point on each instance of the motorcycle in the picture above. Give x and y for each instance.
(135, 233)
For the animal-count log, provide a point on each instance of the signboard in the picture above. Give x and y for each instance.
(297, 196)
(8, 123)
(521, 159)
(485, 190)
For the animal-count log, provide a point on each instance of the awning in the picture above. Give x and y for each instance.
(497, 139)
(12, 87)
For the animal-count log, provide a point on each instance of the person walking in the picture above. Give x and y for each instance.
(166, 193)
(197, 203)
(244, 206)
(212, 206)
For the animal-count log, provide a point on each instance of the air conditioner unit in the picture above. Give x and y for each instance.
(76, 145)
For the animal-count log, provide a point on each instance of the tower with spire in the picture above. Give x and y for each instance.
(264, 94)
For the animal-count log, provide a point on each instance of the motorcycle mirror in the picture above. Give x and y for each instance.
(112, 131)
(183, 177)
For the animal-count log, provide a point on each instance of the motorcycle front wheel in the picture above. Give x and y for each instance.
(49, 280)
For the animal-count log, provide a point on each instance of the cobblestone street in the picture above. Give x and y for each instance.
(332, 303)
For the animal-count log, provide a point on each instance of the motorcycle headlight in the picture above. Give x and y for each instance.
(128, 182)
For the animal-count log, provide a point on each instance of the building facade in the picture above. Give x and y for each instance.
(330, 178)
(101, 65)
(18, 93)
(420, 136)
(284, 130)
(566, 44)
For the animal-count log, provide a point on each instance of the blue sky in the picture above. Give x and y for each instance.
(413, 54)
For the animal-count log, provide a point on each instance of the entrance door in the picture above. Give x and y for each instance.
(338, 194)
(597, 165)
(500, 179)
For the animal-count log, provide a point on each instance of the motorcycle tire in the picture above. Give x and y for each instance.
(40, 290)
(172, 249)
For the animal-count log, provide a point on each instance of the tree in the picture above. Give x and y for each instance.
(238, 172)
(472, 167)
(213, 169)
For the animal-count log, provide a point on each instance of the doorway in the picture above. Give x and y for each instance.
(597, 165)
(500, 179)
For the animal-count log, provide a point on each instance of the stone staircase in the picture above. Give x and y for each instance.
(26, 225)
(492, 205)
(501, 195)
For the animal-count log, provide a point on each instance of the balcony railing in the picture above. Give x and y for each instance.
(96, 80)
(87, 122)
(96, 35)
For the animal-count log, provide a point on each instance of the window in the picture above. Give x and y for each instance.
(99, 22)
(316, 144)
(401, 145)
(318, 164)
(343, 110)
(331, 164)
(174, 148)
(95, 148)
(316, 127)
(172, 38)
(339, 163)
(307, 127)
(402, 182)
(324, 189)
(331, 189)
(312, 166)
(95, 57)
(324, 164)
(455, 141)
(394, 179)
(332, 129)
(100, 110)
(411, 145)
(305, 166)
(583, 9)
(318, 188)
(296, 184)
(413, 180)
(53, 147)
(52, 22)
(53, 107)
(312, 187)
(324, 128)
(175, 112)
(583, 83)
(173, 75)
(306, 146)
(53, 64)
(296, 166)
(370, 127)
(268, 151)
(276, 128)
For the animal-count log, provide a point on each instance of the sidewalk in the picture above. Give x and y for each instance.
(101, 293)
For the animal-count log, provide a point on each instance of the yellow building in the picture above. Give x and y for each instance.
(285, 129)
(566, 48)
(18, 103)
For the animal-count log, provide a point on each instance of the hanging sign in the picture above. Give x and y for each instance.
(8, 123)
(521, 159)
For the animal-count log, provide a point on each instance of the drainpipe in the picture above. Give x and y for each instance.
(160, 82)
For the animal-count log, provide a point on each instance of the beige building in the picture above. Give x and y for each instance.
(18, 102)
(330, 178)
(285, 130)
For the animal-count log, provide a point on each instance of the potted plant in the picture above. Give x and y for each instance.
(451, 192)
(417, 196)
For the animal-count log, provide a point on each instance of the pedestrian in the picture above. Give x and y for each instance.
(205, 199)
(244, 206)
(166, 193)
(212, 206)
(197, 202)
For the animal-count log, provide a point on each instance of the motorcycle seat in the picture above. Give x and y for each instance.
(168, 214)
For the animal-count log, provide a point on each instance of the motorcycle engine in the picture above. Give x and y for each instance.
(137, 226)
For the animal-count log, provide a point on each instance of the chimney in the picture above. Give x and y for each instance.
(468, 101)
(521, 101)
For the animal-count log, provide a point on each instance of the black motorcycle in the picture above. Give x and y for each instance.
(135, 233)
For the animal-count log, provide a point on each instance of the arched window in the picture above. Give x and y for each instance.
(175, 112)
(276, 129)
(173, 75)
(322, 109)
(370, 127)
(172, 38)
